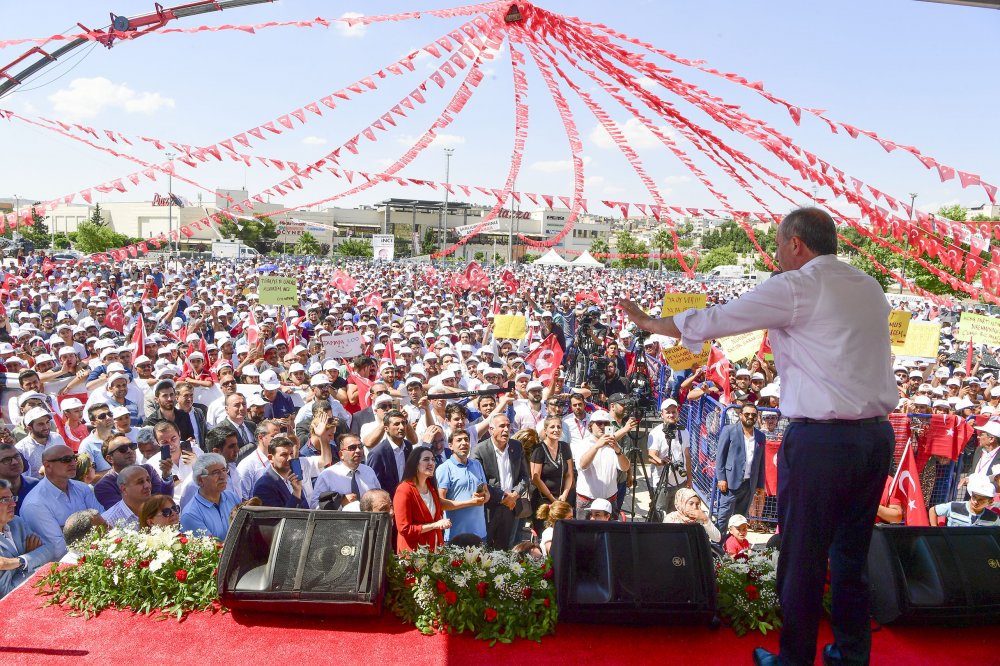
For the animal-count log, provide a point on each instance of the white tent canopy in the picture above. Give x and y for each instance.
(551, 258)
(586, 260)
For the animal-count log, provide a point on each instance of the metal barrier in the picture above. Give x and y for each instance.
(704, 418)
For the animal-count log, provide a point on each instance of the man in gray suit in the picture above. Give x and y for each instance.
(506, 472)
(739, 466)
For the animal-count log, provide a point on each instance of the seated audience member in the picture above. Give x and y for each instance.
(971, 513)
(376, 501)
(279, 486)
(529, 550)
(208, 511)
(688, 510)
(599, 509)
(737, 541)
(550, 514)
(122, 453)
(21, 552)
(416, 504)
(159, 511)
(135, 487)
(467, 540)
(77, 528)
(12, 471)
(55, 498)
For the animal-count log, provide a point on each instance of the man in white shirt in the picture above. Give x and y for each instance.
(530, 412)
(349, 477)
(575, 425)
(598, 458)
(828, 325)
(253, 465)
(136, 487)
(667, 443)
(38, 424)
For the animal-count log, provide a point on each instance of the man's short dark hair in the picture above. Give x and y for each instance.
(94, 408)
(458, 433)
(455, 408)
(392, 414)
(279, 442)
(814, 227)
(215, 439)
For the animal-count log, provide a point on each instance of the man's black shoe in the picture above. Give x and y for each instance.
(762, 657)
(831, 655)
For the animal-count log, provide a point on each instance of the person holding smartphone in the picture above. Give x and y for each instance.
(279, 485)
(599, 459)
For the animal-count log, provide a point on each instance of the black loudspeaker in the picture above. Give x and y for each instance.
(633, 573)
(314, 562)
(939, 575)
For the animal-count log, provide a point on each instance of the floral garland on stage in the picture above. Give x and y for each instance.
(493, 594)
(748, 594)
(159, 572)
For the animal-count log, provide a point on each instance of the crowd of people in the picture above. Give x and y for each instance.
(165, 392)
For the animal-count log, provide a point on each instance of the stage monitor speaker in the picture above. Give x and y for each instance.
(633, 573)
(939, 575)
(314, 562)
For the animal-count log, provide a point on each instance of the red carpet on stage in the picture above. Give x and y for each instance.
(30, 634)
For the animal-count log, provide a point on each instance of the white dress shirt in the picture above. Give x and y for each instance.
(337, 478)
(828, 327)
(503, 466)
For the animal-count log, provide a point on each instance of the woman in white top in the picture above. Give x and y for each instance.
(550, 513)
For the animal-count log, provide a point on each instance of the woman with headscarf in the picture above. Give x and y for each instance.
(688, 510)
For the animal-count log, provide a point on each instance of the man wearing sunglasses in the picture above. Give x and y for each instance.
(739, 467)
(100, 418)
(217, 410)
(12, 470)
(350, 477)
(55, 498)
(120, 453)
(135, 487)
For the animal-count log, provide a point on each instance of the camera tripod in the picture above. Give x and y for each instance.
(670, 467)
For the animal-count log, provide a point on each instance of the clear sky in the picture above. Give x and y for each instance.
(922, 74)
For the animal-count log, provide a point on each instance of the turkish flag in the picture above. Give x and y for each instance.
(343, 281)
(771, 447)
(545, 359)
(373, 300)
(765, 348)
(718, 372)
(84, 284)
(281, 332)
(946, 435)
(592, 296)
(907, 492)
(509, 281)
(252, 328)
(389, 354)
(138, 338)
(476, 277)
(115, 318)
(364, 388)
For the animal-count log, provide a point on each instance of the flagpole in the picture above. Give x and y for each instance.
(899, 468)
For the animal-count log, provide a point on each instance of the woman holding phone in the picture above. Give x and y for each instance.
(551, 469)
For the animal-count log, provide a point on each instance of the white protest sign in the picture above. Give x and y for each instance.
(342, 345)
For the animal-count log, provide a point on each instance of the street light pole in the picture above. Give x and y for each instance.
(913, 197)
(170, 202)
(448, 152)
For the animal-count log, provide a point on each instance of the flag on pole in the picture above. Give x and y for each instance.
(545, 359)
(905, 491)
(138, 338)
(718, 372)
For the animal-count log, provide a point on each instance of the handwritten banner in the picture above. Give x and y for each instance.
(681, 358)
(982, 329)
(739, 347)
(899, 322)
(342, 345)
(513, 327)
(922, 339)
(278, 291)
(676, 303)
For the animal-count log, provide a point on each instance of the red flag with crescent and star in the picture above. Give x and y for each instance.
(545, 359)
(115, 318)
(907, 492)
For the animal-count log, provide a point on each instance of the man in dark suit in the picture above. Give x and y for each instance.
(388, 456)
(236, 418)
(194, 413)
(278, 485)
(507, 476)
(367, 415)
(739, 472)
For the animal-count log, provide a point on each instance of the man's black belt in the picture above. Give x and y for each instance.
(871, 420)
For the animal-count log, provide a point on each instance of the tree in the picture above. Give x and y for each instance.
(956, 212)
(600, 246)
(626, 243)
(427, 243)
(260, 233)
(96, 217)
(663, 242)
(719, 256)
(355, 247)
(480, 256)
(91, 238)
(307, 245)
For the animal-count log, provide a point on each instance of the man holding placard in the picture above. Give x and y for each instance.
(828, 328)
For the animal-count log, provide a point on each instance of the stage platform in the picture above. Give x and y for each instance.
(33, 635)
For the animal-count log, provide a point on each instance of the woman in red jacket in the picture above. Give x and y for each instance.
(416, 508)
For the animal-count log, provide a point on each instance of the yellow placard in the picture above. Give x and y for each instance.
(739, 347)
(982, 329)
(675, 303)
(922, 339)
(278, 290)
(513, 327)
(899, 322)
(681, 358)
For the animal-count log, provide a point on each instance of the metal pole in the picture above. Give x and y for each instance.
(17, 205)
(448, 152)
(170, 201)
(902, 274)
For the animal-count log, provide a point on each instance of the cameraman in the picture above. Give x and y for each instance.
(624, 425)
(667, 445)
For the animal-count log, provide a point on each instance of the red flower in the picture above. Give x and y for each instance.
(183, 539)
(129, 563)
(144, 564)
(481, 588)
(753, 594)
(81, 560)
(93, 546)
(526, 593)
(546, 602)
(409, 582)
(741, 556)
(108, 563)
(117, 541)
(218, 545)
(450, 598)
(826, 588)
(490, 615)
(181, 575)
(456, 563)
(442, 587)
(548, 574)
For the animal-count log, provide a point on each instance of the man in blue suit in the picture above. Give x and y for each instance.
(279, 485)
(388, 456)
(20, 551)
(739, 467)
